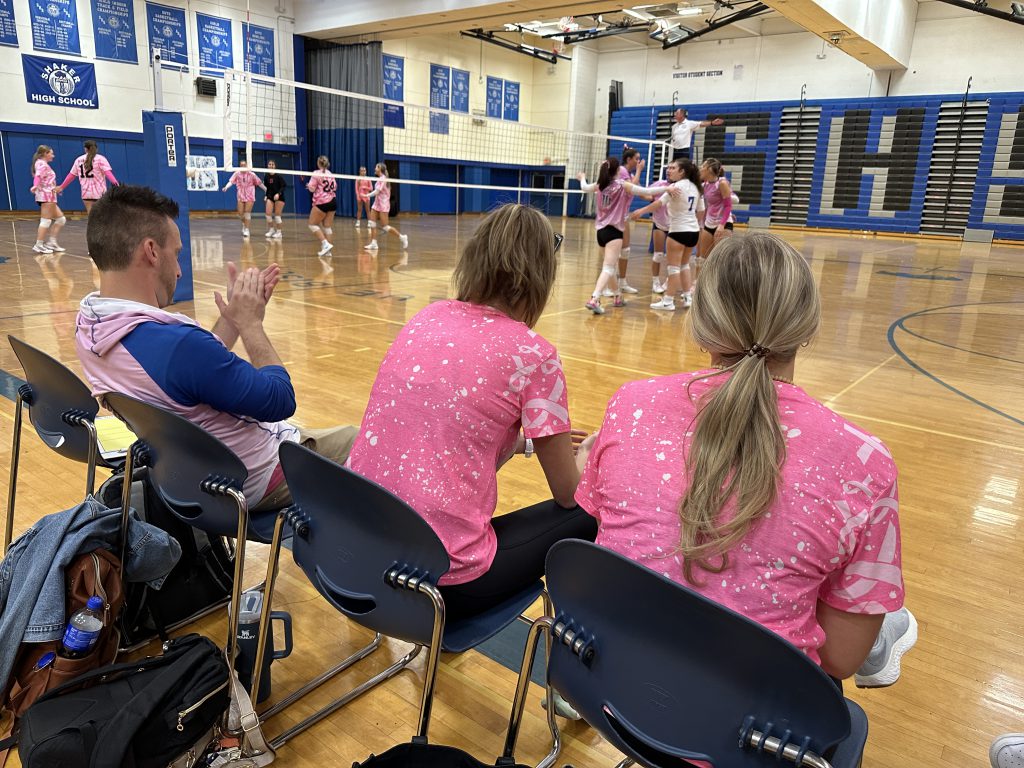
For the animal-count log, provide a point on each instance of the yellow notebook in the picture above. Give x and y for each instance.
(113, 436)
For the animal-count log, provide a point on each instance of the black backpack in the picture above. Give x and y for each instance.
(199, 582)
(143, 714)
(419, 754)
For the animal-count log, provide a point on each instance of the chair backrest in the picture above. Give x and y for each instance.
(668, 675)
(355, 532)
(181, 455)
(55, 391)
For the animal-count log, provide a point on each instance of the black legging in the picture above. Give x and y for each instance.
(524, 538)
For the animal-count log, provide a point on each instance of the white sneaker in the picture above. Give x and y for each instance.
(667, 304)
(687, 299)
(1007, 751)
(371, 247)
(278, 234)
(405, 240)
(53, 246)
(357, 223)
(245, 231)
(626, 287)
(656, 286)
(41, 248)
(607, 293)
(270, 233)
(325, 247)
(882, 666)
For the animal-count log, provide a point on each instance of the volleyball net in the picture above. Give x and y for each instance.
(457, 150)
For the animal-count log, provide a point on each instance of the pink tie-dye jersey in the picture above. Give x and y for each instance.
(612, 205)
(45, 182)
(719, 207)
(92, 182)
(456, 386)
(382, 200)
(660, 215)
(245, 182)
(323, 186)
(833, 533)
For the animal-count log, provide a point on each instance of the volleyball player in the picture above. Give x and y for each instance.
(612, 207)
(682, 133)
(363, 188)
(321, 216)
(718, 196)
(92, 171)
(684, 230)
(382, 208)
(659, 233)
(629, 170)
(245, 183)
(274, 185)
(44, 186)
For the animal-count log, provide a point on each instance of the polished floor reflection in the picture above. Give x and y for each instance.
(922, 344)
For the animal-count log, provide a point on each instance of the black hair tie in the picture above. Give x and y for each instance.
(756, 350)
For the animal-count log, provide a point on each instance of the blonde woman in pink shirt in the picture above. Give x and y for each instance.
(44, 186)
(245, 183)
(324, 188)
(381, 209)
(467, 384)
(738, 484)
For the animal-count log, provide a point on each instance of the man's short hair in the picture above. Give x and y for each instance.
(121, 219)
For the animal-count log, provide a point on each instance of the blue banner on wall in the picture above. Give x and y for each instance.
(55, 26)
(495, 86)
(258, 44)
(60, 83)
(113, 23)
(460, 90)
(440, 96)
(511, 107)
(167, 32)
(215, 47)
(394, 89)
(8, 29)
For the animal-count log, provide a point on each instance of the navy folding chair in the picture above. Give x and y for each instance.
(62, 410)
(200, 480)
(378, 562)
(668, 676)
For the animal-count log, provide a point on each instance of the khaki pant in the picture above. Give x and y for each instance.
(334, 444)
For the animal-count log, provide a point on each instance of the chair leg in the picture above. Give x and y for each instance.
(268, 596)
(13, 486)
(126, 503)
(549, 692)
(433, 656)
(539, 627)
(90, 465)
(337, 704)
(236, 586)
(626, 763)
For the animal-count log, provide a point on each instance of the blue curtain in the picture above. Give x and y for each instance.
(348, 131)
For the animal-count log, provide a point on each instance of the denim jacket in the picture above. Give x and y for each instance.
(32, 574)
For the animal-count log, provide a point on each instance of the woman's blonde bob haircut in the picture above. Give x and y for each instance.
(509, 263)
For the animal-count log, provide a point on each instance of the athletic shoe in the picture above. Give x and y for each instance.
(882, 666)
(372, 246)
(656, 286)
(626, 287)
(357, 223)
(278, 234)
(53, 246)
(1007, 751)
(594, 305)
(667, 303)
(619, 301)
(41, 248)
(405, 240)
(562, 707)
(325, 248)
(245, 231)
(607, 293)
(687, 299)
(270, 233)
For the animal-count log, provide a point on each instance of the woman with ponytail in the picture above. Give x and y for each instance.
(612, 208)
(93, 171)
(44, 187)
(738, 484)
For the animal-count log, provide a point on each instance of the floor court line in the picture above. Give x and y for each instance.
(853, 384)
(929, 430)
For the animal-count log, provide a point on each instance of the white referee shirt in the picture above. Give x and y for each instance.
(682, 133)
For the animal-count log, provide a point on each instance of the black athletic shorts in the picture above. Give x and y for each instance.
(608, 234)
(689, 239)
(712, 230)
(660, 229)
(329, 207)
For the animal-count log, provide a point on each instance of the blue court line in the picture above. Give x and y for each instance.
(922, 337)
(900, 323)
(919, 277)
(9, 385)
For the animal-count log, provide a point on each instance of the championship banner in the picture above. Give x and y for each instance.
(60, 83)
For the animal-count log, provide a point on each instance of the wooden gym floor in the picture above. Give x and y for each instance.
(922, 344)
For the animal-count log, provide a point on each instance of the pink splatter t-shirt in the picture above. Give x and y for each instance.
(833, 534)
(451, 395)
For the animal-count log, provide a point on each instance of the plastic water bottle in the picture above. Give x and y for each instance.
(83, 631)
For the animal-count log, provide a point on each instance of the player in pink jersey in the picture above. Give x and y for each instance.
(659, 226)
(44, 186)
(718, 201)
(321, 216)
(92, 171)
(363, 188)
(630, 169)
(245, 183)
(737, 484)
(612, 209)
(381, 208)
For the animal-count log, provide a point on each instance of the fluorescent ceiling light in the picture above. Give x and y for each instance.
(689, 11)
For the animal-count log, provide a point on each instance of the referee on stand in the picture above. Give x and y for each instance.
(682, 133)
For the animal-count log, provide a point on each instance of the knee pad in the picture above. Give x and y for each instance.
(658, 257)
(60, 221)
(372, 224)
(625, 252)
(610, 271)
(269, 218)
(247, 216)
(277, 219)
(45, 222)
(314, 228)
(386, 228)
(674, 270)
(328, 231)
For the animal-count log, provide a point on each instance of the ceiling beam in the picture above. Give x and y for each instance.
(747, 13)
(977, 7)
(489, 37)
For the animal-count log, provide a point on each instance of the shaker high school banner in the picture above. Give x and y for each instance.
(60, 83)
